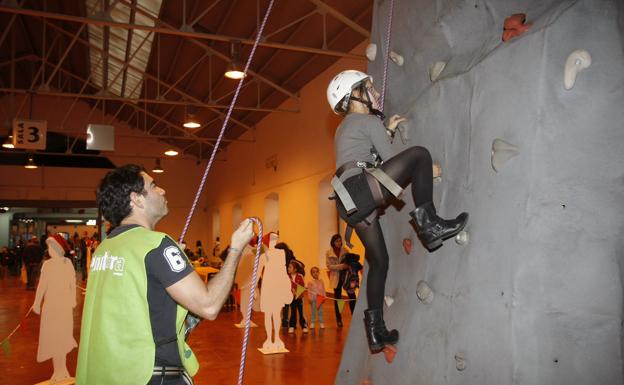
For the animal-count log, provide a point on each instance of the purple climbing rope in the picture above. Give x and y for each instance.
(386, 56)
(252, 292)
(225, 121)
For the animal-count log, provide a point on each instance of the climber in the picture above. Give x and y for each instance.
(368, 177)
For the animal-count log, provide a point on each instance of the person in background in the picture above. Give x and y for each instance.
(296, 306)
(316, 295)
(336, 269)
(32, 256)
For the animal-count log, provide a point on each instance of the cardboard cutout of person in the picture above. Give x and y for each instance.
(57, 291)
(274, 294)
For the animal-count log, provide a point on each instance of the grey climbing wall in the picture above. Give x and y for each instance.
(535, 296)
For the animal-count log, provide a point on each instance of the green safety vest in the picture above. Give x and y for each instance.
(116, 342)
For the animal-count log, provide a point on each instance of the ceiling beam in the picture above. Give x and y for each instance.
(344, 19)
(171, 31)
(116, 98)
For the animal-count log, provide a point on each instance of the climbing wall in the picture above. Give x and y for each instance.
(533, 295)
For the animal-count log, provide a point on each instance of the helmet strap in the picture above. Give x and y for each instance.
(367, 102)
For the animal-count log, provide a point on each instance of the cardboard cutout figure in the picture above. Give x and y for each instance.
(57, 291)
(275, 293)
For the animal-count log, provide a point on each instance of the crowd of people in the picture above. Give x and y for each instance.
(29, 252)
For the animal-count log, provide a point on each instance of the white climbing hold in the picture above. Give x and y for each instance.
(460, 362)
(389, 301)
(424, 292)
(576, 62)
(396, 58)
(462, 238)
(437, 173)
(436, 69)
(501, 152)
(371, 51)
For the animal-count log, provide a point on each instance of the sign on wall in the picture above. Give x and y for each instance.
(29, 134)
(100, 137)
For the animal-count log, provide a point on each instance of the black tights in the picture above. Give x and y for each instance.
(412, 165)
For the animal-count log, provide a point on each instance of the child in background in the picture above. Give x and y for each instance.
(316, 288)
(296, 305)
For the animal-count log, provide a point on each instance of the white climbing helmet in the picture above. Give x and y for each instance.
(342, 85)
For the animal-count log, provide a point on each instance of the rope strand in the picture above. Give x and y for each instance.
(386, 56)
(225, 121)
(252, 292)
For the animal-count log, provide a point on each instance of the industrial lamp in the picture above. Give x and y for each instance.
(8, 142)
(171, 152)
(30, 163)
(234, 69)
(190, 119)
(157, 169)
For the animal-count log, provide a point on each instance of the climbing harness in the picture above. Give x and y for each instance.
(377, 179)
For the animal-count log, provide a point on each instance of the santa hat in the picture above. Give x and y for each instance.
(267, 237)
(61, 241)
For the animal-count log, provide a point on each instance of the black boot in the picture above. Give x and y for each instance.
(376, 333)
(432, 229)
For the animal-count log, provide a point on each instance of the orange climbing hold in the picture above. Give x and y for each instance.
(389, 352)
(515, 26)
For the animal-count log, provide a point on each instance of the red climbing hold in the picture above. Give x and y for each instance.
(407, 245)
(389, 352)
(515, 26)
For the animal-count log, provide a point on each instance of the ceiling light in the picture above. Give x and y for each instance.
(73, 220)
(190, 118)
(191, 121)
(91, 222)
(30, 163)
(8, 142)
(157, 169)
(234, 69)
(171, 152)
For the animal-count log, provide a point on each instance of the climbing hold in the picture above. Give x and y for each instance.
(389, 301)
(367, 381)
(389, 351)
(515, 26)
(462, 238)
(460, 361)
(407, 245)
(437, 172)
(576, 62)
(396, 58)
(436, 69)
(424, 292)
(371, 51)
(501, 152)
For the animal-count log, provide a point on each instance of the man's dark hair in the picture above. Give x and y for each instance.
(113, 193)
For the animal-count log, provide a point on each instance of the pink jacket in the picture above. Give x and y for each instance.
(315, 287)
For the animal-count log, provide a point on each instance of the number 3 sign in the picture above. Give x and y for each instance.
(30, 134)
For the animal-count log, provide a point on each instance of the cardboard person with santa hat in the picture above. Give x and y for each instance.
(57, 291)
